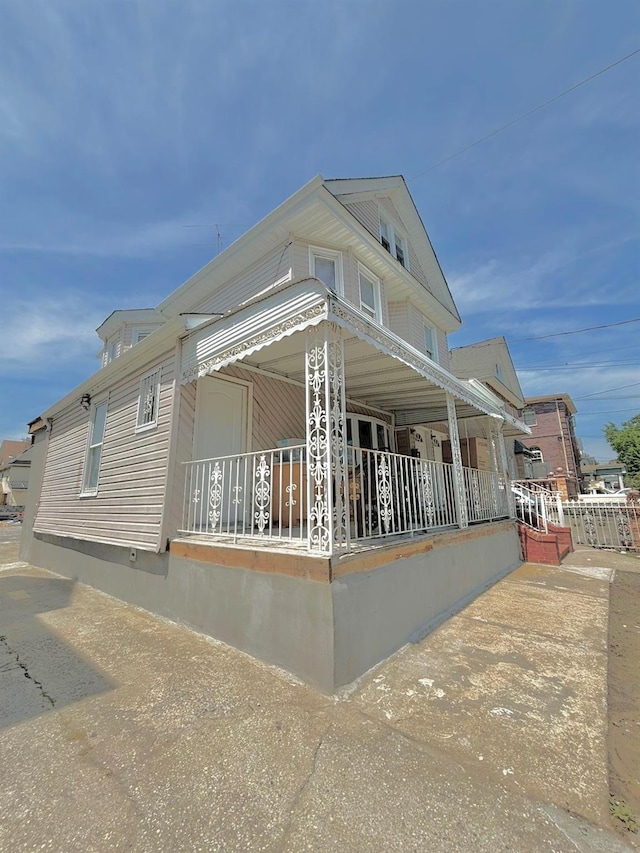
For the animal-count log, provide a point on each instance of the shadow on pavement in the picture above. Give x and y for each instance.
(39, 671)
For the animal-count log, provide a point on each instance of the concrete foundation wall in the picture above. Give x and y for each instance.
(328, 634)
(379, 611)
(281, 620)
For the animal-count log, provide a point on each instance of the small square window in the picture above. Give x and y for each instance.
(148, 401)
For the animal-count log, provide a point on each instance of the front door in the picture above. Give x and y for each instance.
(221, 430)
(221, 418)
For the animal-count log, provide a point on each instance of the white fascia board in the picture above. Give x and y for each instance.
(121, 316)
(188, 294)
(159, 342)
(249, 328)
(441, 315)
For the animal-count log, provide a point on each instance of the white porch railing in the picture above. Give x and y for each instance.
(265, 495)
(252, 494)
(538, 506)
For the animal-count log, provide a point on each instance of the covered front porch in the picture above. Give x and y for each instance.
(333, 481)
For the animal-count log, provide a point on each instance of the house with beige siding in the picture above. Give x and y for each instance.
(273, 454)
(490, 363)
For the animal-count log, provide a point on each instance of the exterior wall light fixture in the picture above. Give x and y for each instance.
(85, 401)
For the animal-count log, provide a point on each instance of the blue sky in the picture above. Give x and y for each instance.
(121, 123)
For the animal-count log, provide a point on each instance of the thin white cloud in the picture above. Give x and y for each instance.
(45, 333)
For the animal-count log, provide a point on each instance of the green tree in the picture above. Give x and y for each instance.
(626, 443)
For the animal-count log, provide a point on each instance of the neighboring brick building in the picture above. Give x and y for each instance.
(553, 437)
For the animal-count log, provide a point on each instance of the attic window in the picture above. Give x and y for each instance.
(499, 372)
(138, 335)
(394, 242)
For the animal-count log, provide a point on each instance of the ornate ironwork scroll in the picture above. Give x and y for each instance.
(456, 456)
(262, 494)
(427, 494)
(324, 373)
(215, 495)
(384, 491)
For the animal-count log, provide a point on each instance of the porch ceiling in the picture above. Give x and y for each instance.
(372, 377)
(381, 370)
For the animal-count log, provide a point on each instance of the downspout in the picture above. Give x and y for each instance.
(564, 446)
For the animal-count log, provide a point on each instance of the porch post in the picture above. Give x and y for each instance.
(456, 457)
(326, 438)
(504, 469)
(493, 462)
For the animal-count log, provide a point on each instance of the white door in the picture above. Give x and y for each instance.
(221, 430)
(221, 418)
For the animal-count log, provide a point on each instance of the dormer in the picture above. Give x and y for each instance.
(124, 329)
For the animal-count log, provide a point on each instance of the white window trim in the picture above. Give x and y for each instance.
(333, 255)
(395, 237)
(85, 491)
(140, 330)
(377, 293)
(434, 341)
(145, 427)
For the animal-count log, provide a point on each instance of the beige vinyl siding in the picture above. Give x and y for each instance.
(128, 507)
(415, 268)
(300, 259)
(279, 408)
(366, 212)
(184, 453)
(443, 350)
(265, 272)
(406, 321)
(399, 320)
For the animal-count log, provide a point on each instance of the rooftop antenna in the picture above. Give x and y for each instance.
(219, 238)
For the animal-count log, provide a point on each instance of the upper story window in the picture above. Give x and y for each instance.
(326, 265)
(370, 302)
(148, 401)
(430, 342)
(393, 241)
(94, 450)
(529, 416)
(499, 372)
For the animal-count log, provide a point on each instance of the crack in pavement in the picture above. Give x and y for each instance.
(25, 671)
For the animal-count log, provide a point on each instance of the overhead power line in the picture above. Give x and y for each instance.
(576, 331)
(608, 390)
(526, 115)
(595, 366)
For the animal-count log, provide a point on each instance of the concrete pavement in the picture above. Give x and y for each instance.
(120, 731)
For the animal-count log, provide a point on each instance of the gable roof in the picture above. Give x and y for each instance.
(315, 209)
(394, 188)
(479, 361)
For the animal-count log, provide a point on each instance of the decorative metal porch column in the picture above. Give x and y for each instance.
(490, 433)
(326, 439)
(504, 468)
(456, 457)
